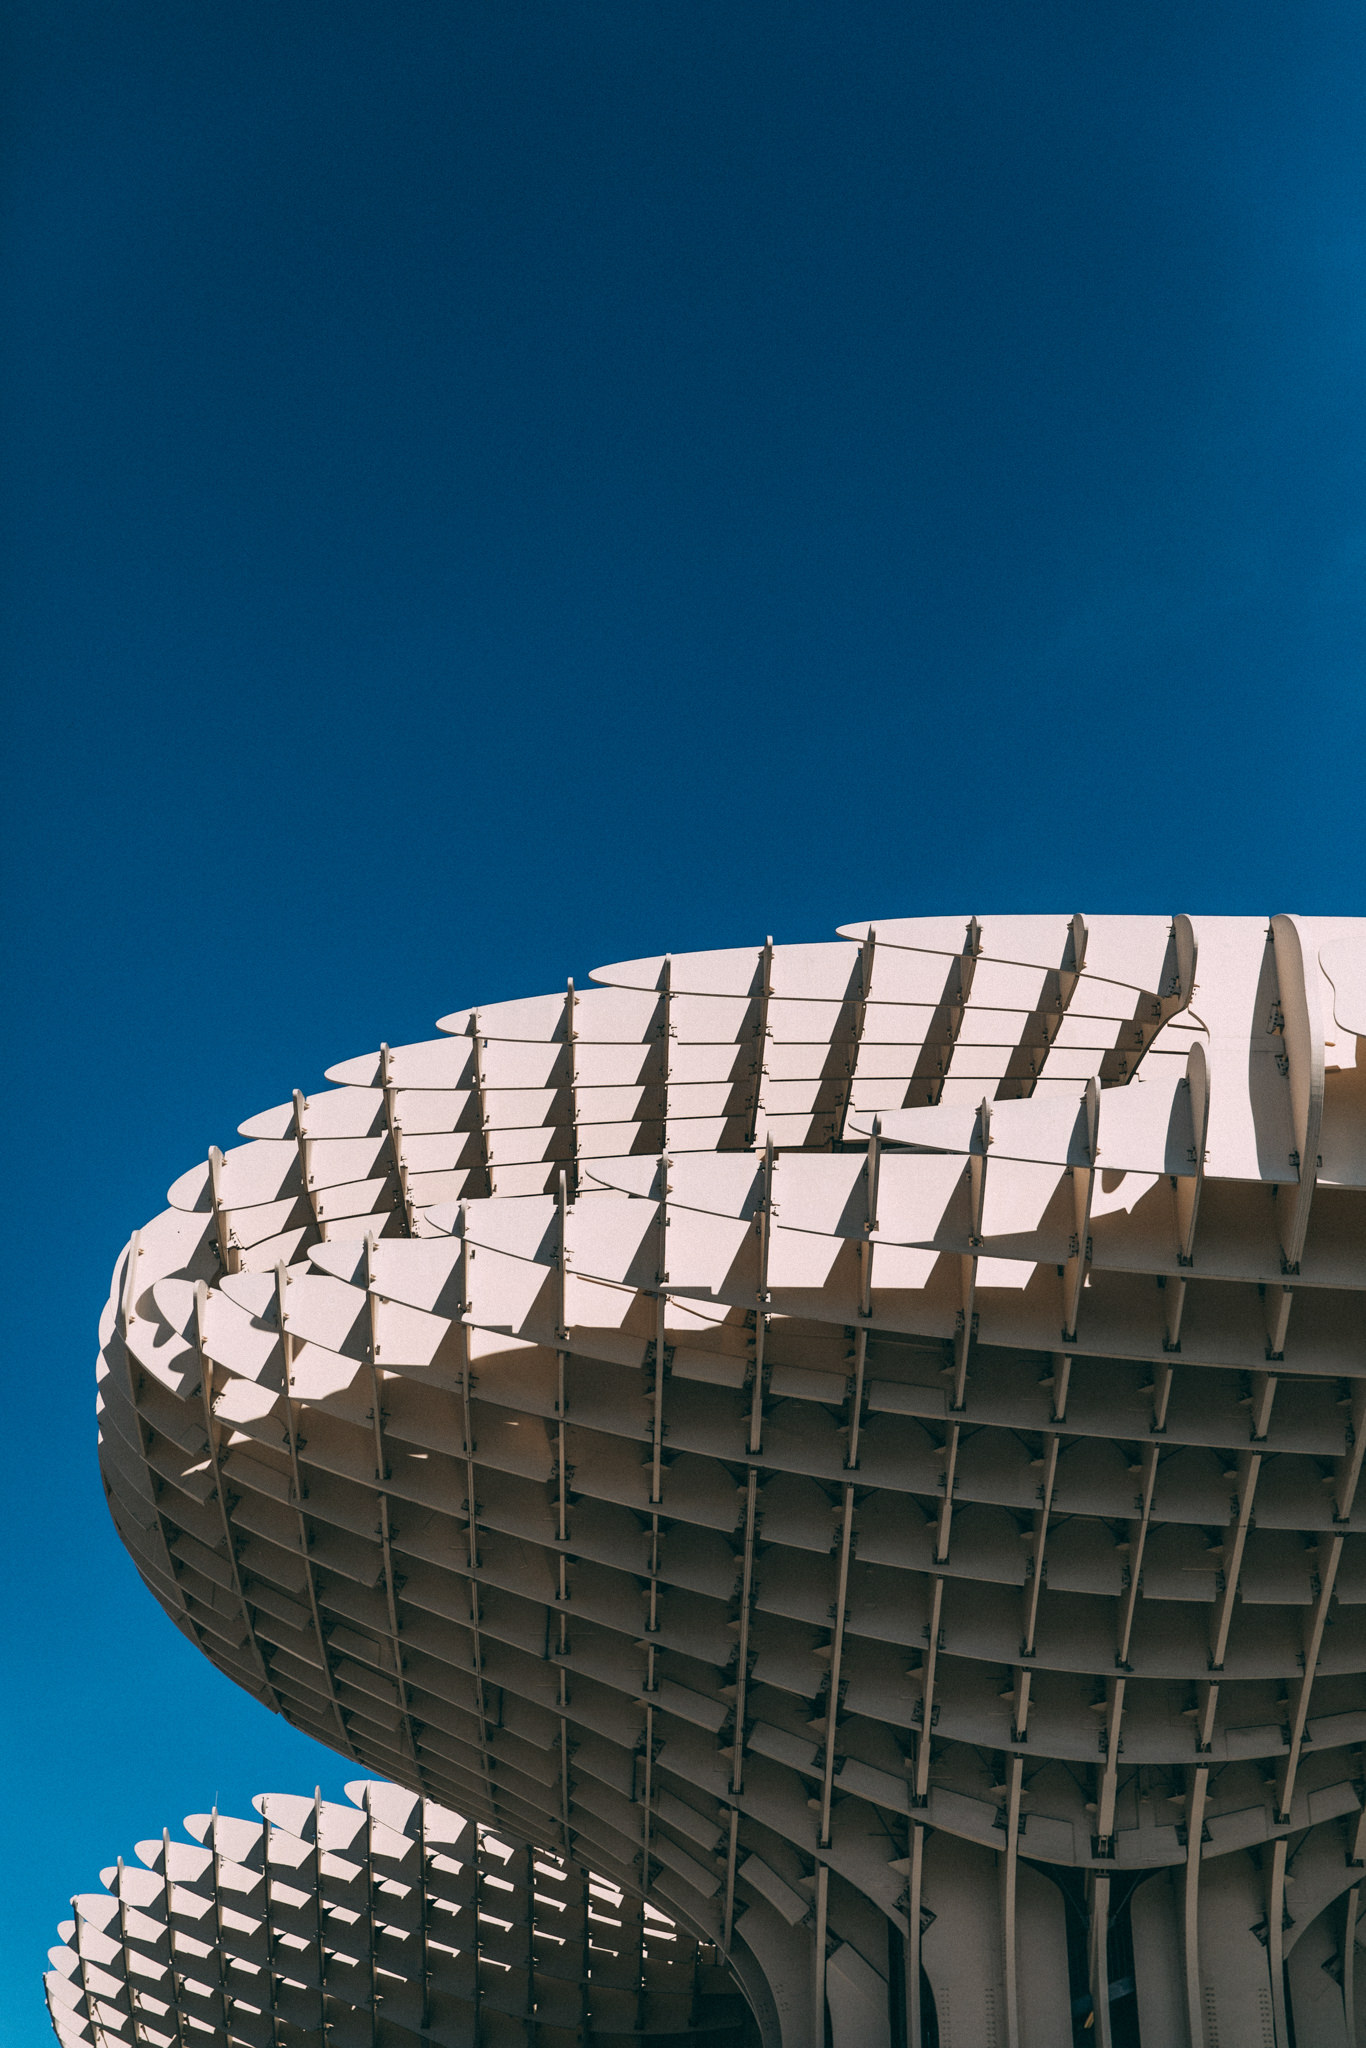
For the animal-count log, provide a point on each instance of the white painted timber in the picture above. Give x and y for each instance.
(389, 1921)
(784, 1419)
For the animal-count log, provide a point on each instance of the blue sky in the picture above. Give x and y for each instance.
(497, 487)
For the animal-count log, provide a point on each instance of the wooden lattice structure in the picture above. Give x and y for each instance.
(385, 1923)
(859, 1442)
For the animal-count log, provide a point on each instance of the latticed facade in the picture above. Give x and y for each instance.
(380, 1924)
(857, 1442)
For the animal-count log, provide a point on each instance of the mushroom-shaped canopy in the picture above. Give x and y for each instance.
(779, 1422)
(386, 1921)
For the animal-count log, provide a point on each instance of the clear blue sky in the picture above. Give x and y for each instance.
(492, 488)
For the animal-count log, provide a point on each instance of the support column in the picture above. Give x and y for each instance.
(1275, 1939)
(1010, 1871)
(915, 1882)
(1349, 1958)
(818, 1955)
(1190, 1927)
(1098, 1957)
